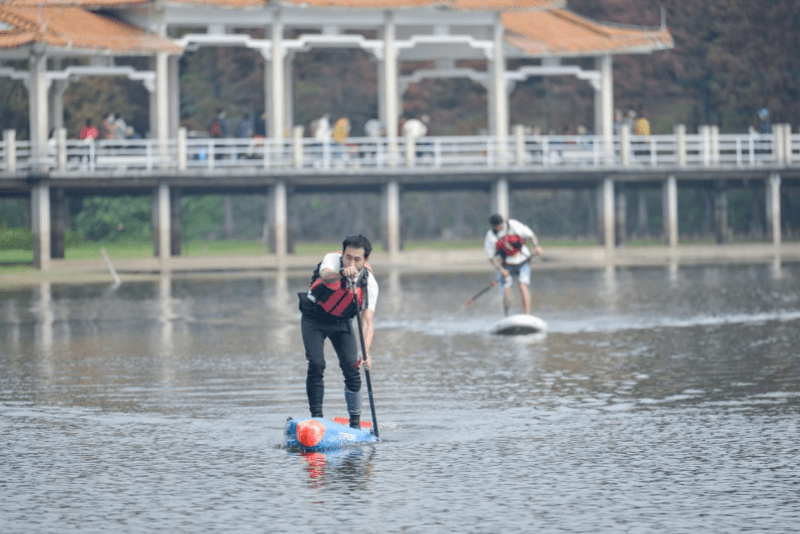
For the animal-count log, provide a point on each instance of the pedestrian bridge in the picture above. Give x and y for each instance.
(498, 164)
(706, 149)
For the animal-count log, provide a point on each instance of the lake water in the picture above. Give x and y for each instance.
(660, 400)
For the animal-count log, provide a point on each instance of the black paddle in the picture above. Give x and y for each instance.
(478, 294)
(364, 359)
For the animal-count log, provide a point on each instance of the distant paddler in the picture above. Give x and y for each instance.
(506, 248)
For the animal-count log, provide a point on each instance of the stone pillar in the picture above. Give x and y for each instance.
(38, 105)
(280, 225)
(774, 206)
(519, 144)
(181, 149)
(625, 145)
(391, 201)
(680, 144)
(390, 83)
(40, 224)
(276, 79)
(174, 99)
(621, 217)
(164, 219)
(500, 100)
(604, 104)
(670, 203)
(162, 104)
(59, 223)
(499, 198)
(176, 222)
(608, 214)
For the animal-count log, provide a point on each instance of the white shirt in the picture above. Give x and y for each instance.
(414, 128)
(511, 227)
(333, 261)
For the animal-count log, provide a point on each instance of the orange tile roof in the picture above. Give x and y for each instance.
(75, 28)
(562, 32)
(91, 4)
(487, 5)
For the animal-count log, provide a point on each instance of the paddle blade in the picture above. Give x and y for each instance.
(346, 421)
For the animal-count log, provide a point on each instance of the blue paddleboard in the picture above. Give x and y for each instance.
(318, 434)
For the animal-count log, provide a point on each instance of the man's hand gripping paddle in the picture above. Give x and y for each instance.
(353, 284)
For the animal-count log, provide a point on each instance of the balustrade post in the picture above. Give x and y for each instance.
(61, 149)
(181, 149)
(777, 143)
(680, 143)
(519, 142)
(625, 144)
(297, 146)
(714, 143)
(10, 139)
(705, 144)
(410, 150)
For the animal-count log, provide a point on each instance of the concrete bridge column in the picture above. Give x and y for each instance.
(774, 206)
(59, 222)
(620, 217)
(280, 225)
(604, 105)
(175, 222)
(670, 204)
(499, 198)
(38, 109)
(161, 215)
(40, 224)
(392, 229)
(721, 231)
(607, 203)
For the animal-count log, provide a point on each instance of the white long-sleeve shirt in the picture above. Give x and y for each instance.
(511, 227)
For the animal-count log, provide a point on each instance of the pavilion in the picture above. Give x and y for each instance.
(445, 33)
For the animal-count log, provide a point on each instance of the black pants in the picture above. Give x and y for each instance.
(344, 343)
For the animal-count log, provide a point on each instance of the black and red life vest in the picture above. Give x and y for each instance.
(509, 244)
(336, 298)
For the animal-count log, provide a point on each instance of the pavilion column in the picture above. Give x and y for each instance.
(774, 206)
(390, 85)
(276, 118)
(162, 103)
(174, 98)
(279, 214)
(604, 103)
(288, 94)
(40, 225)
(499, 198)
(499, 93)
(670, 210)
(57, 90)
(38, 106)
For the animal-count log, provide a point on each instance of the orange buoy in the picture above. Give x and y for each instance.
(310, 432)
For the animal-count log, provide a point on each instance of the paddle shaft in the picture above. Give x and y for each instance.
(364, 359)
(481, 292)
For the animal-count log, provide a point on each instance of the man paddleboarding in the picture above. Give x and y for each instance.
(327, 312)
(505, 245)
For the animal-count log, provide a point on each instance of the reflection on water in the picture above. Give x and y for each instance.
(660, 400)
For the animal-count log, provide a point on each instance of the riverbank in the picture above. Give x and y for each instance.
(413, 261)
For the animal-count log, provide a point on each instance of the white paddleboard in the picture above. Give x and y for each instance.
(520, 324)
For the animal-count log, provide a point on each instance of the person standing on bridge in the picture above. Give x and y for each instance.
(505, 245)
(327, 311)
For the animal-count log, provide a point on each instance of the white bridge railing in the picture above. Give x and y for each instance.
(708, 148)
